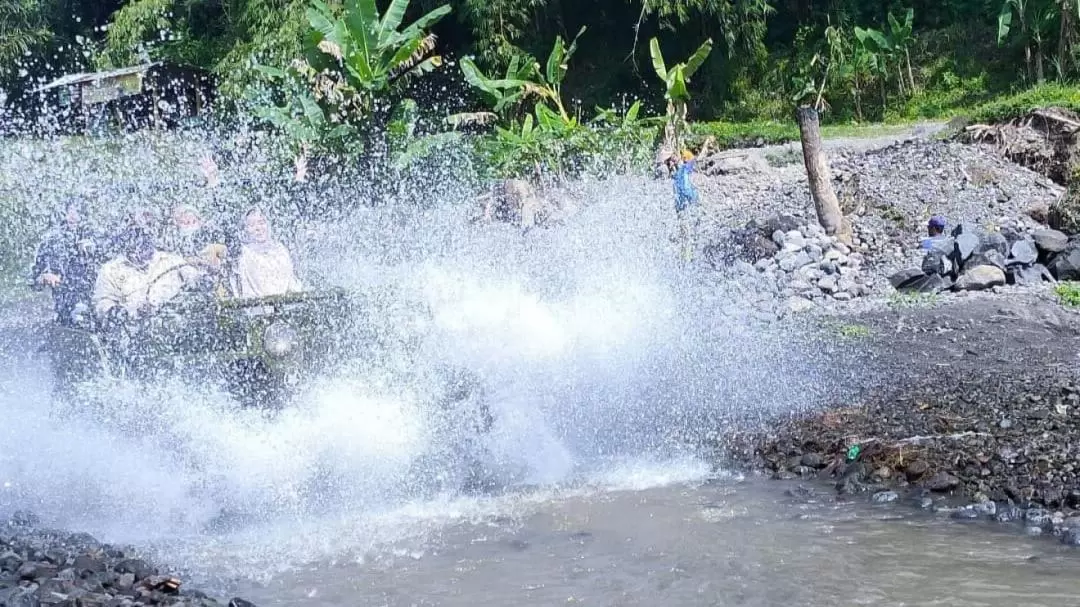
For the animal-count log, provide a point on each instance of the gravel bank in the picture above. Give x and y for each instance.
(45, 567)
(976, 414)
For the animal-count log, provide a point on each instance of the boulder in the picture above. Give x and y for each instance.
(990, 258)
(993, 241)
(942, 481)
(980, 278)
(905, 276)
(924, 283)
(1066, 264)
(966, 245)
(781, 223)
(1050, 241)
(1029, 275)
(937, 262)
(1023, 252)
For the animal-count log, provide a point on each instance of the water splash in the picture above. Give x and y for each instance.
(602, 358)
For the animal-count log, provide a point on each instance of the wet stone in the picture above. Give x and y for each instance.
(1008, 514)
(942, 481)
(884, 497)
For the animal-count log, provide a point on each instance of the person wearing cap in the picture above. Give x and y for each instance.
(686, 200)
(935, 230)
(139, 279)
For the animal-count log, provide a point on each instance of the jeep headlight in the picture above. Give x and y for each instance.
(280, 339)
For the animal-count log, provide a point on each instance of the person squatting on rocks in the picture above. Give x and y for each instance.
(67, 260)
(687, 205)
(935, 230)
(140, 279)
(263, 265)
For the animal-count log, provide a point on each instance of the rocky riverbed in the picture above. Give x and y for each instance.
(42, 567)
(977, 415)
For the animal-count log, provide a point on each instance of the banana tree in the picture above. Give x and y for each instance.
(355, 61)
(676, 78)
(902, 37)
(524, 78)
(372, 52)
(502, 94)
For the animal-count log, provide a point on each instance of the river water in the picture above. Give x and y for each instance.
(609, 367)
(723, 542)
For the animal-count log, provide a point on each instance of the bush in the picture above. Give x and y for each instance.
(1019, 104)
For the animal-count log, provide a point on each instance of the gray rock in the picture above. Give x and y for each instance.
(1038, 517)
(20, 596)
(36, 570)
(884, 497)
(986, 508)
(966, 245)
(905, 276)
(798, 305)
(843, 296)
(812, 460)
(827, 267)
(967, 513)
(140, 568)
(1030, 275)
(942, 481)
(993, 241)
(238, 602)
(980, 278)
(926, 284)
(1024, 252)
(988, 258)
(788, 264)
(794, 238)
(833, 255)
(1008, 514)
(815, 252)
(1071, 537)
(828, 284)
(937, 262)
(778, 238)
(1066, 265)
(1050, 241)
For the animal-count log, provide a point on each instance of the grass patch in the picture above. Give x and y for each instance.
(1068, 294)
(1017, 104)
(853, 331)
(912, 300)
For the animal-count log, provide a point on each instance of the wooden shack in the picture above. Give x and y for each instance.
(152, 95)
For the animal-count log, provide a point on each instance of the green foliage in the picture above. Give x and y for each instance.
(356, 65)
(1019, 104)
(23, 28)
(676, 79)
(1068, 294)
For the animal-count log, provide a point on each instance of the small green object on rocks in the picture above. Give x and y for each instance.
(853, 452)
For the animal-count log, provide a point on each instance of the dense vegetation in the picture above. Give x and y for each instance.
(536, 75)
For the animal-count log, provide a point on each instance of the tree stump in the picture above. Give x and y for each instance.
(817, 171)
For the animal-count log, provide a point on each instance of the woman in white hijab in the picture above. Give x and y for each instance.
(264, 266)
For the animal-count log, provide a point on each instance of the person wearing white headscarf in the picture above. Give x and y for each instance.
(264, 266)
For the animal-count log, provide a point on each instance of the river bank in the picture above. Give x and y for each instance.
(969, 402)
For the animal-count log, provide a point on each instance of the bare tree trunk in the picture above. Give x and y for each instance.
(1040, 73)
(817, 171)
(910, 75)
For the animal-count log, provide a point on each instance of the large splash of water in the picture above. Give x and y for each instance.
(603, 359)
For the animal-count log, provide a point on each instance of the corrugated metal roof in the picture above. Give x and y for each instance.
(95, 76)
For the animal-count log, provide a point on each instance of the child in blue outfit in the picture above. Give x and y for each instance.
(686, 201)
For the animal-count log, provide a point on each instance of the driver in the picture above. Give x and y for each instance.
(139, 279)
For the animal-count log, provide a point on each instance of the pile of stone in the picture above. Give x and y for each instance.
(972, 260)
(803, 262)
(40, 567)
